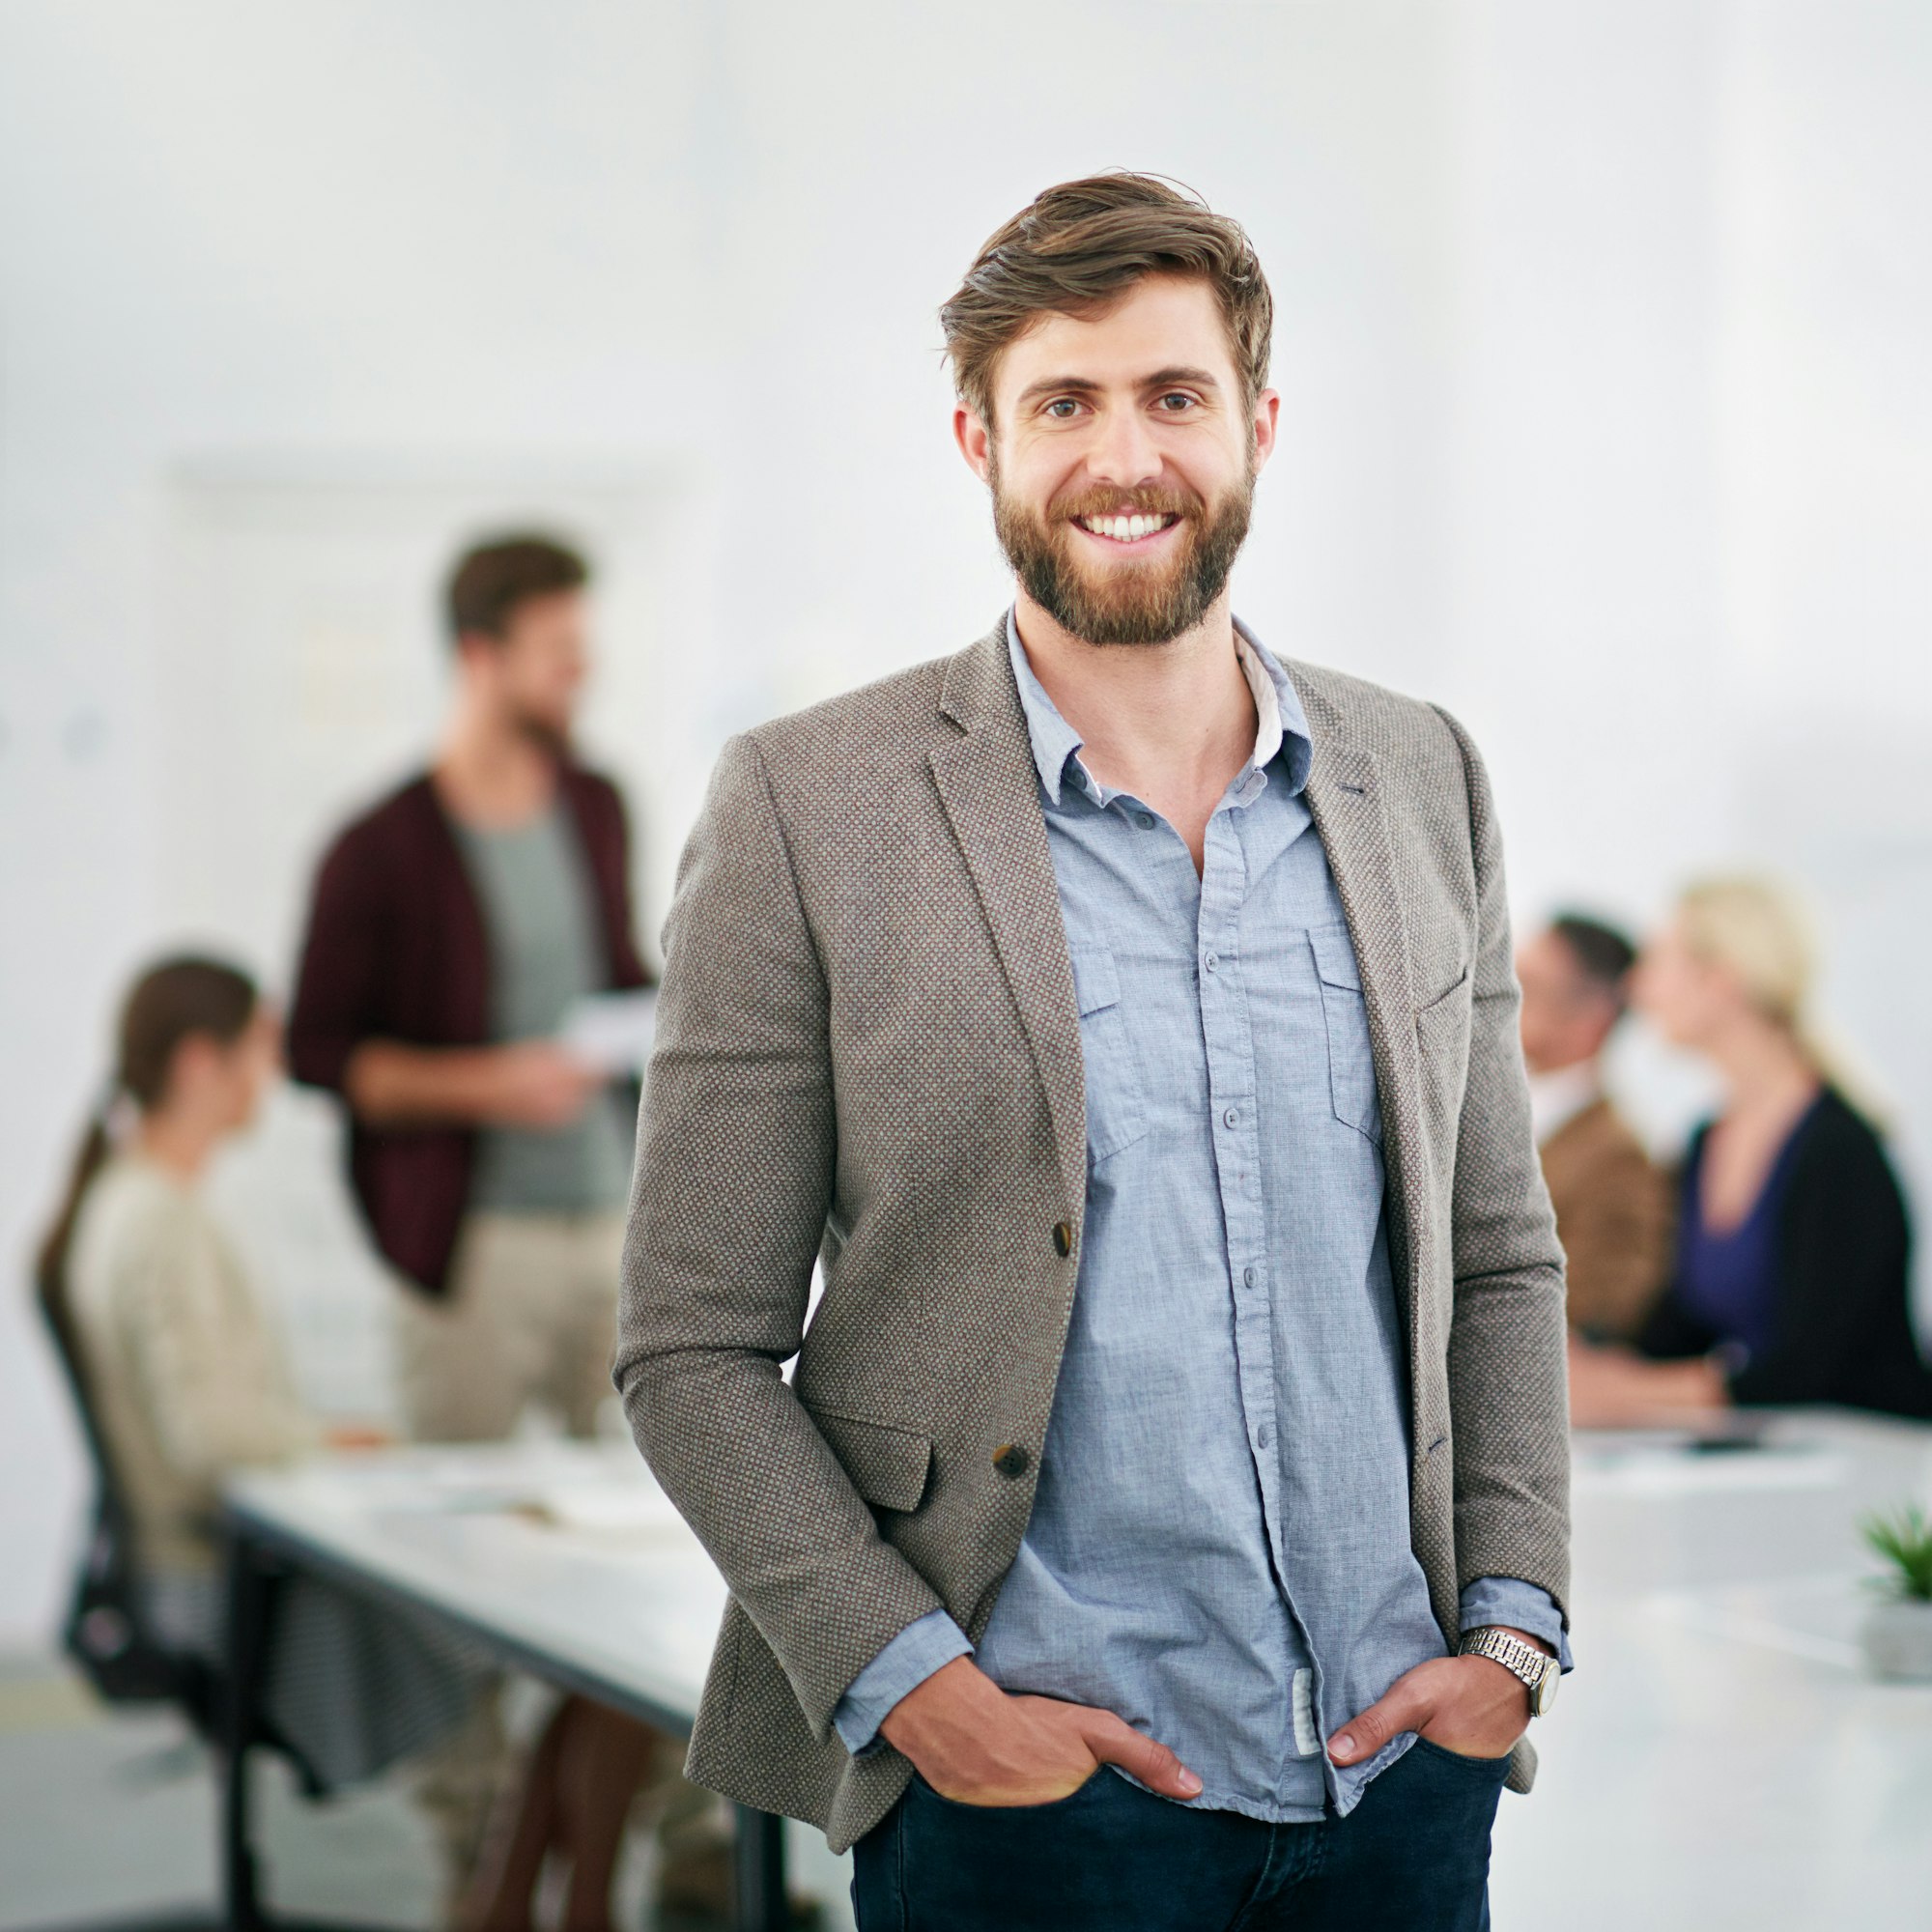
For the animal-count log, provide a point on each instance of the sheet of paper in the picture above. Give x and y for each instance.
(612, 1032)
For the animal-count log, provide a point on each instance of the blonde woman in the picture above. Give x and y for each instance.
(1791, 1273)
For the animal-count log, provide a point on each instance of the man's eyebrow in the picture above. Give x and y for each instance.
(1086, 386)
(1196, 378)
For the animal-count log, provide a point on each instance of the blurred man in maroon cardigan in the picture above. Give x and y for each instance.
(453, 928)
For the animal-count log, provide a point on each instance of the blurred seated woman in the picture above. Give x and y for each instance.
(187, 1384)
(180, 1369)
(1791, 1264)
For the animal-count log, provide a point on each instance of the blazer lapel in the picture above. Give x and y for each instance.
(1344, 796)
(989, 788)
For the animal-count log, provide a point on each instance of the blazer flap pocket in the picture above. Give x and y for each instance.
(1335, 957)
(1097, 983)
(888, 1465)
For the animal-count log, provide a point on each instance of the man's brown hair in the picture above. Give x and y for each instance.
(489, 580)
(1078, 247)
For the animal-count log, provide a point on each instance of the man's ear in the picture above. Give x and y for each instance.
(1266, 424)
(476, 651)
(974, 440)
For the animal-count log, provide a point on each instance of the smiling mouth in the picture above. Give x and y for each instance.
(1127, 530)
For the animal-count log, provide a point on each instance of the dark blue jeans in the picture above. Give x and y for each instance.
(1412, 1857)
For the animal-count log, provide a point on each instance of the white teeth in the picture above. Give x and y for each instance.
(1123, 529)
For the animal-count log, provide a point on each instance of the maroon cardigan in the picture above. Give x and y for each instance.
(396, 950)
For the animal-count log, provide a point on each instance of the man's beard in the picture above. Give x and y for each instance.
(1137, 602)
(546, 734)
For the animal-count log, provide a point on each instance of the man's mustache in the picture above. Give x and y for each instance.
(1141, 502)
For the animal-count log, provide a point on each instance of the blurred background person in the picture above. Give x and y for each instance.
(186, 1383)
(1793, 1255)
(152, 1302)
(1612, 1204)
(452, 929)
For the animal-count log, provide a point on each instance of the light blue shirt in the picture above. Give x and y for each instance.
(1219, 1545)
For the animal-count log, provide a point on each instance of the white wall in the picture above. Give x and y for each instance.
(1602, 334)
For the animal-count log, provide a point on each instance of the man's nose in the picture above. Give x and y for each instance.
(1125, 452)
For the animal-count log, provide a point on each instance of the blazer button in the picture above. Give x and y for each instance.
(1062, 1237)
(1010, 1460)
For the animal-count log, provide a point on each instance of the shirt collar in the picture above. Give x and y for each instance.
(1282, 728)
(1555, 1099)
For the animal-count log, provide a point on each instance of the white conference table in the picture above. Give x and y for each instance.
(562, 1559)
(1717, 1759)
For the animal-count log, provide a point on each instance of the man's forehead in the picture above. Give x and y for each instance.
(1161, 324)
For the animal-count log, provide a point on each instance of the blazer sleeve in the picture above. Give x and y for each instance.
(735, 1165)
(337, 1002)
(1508, 1381)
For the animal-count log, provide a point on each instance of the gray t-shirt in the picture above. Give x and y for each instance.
(546, 952)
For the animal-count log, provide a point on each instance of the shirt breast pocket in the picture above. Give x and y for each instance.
(1115, 1103)
(1344, 1015)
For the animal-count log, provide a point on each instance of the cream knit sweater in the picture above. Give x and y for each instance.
(186, 1376)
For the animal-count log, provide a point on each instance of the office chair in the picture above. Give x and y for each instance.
(107, 1634)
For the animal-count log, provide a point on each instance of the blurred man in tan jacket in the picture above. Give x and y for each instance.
(1613, 1208)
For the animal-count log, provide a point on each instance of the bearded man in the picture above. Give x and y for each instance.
(1166, 1522)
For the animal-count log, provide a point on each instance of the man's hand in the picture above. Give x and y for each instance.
(977, 1746)
(538, 1084)
(533, 1083)
(1615, 1388)
(1468, 1705)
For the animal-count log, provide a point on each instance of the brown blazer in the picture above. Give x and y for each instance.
(869, 1055)
(1614, 1216)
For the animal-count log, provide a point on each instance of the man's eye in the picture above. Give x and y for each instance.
(1176, 402)
(1062, 407)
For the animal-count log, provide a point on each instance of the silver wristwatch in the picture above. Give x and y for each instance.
(1540, 1674)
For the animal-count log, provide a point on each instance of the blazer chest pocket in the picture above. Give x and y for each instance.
(1116, 1105)
(888, 1465)
(1344, 1015)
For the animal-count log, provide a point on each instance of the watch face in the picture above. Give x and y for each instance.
(1544, 1693)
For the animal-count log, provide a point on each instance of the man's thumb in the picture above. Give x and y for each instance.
(1364, 1736)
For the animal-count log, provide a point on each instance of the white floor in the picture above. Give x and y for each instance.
(109, 1815)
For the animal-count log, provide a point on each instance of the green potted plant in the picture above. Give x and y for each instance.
(1897, 1633)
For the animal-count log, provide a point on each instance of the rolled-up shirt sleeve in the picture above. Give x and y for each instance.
(903, 1665)
(1509, 1602)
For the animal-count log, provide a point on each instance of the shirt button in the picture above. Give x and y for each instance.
(1145, 820)
(1062, 1237)
(1263, 1435)
(1010, 1460)
(1213, 961)
(1247, 1277)
(1231, 1117)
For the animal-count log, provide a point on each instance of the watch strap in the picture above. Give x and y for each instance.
(1528, 1664)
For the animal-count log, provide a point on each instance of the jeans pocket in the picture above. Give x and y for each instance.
(1496, 1768)
(1083, 1790)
